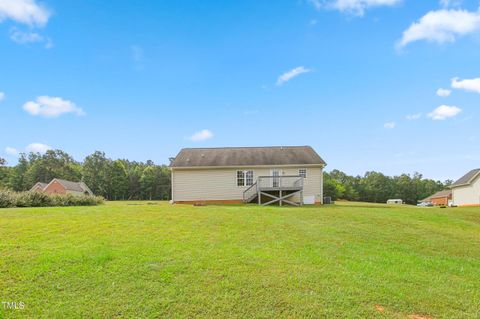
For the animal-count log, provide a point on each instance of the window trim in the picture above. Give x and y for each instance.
(243, 175)
(302, 175)
(240, 176)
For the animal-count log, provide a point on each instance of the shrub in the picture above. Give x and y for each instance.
(7, 199)
(37, 199)
(33, 199)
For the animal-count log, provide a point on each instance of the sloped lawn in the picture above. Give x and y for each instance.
(154, 260)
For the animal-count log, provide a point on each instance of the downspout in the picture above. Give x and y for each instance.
(172, 178)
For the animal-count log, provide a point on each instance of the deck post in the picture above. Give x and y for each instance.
(278, 190)
(259, 193)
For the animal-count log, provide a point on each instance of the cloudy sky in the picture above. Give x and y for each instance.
(386, 85)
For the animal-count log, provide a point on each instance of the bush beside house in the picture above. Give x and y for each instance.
(37, 199)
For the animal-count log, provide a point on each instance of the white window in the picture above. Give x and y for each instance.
(244, 178)
(302, 172)
(240, 178)
(248, 178)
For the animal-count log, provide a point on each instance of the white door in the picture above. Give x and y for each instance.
(275, 180)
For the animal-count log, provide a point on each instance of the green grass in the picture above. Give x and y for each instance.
(153, 260)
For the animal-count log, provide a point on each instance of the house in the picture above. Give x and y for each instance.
(441, 198)
(38, 187)
(264, 175)
(60, 186)
(466, 191)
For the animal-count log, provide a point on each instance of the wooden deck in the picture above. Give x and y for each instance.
(277, 189)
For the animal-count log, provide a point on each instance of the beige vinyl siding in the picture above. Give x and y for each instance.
(467, 195)
(221, 184)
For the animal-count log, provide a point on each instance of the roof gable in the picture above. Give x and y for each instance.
(468, 178)
(79, 187)
(440, 194)
(246, 156)
(39, 185)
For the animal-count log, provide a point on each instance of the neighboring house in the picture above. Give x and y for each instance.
(263, 175)
(60, 186)
(466, 191)
(38, 187)
(441, 198)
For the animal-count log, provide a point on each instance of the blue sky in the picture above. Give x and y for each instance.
(356, 79)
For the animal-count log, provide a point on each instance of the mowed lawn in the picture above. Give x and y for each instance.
(154, 260)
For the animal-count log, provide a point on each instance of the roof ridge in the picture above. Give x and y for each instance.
(233, 147)
(467, 178)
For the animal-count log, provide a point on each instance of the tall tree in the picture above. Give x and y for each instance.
(53, 164)
(118, 180)
(3, 173)
(17, 179)
(95, 173)
(148, 182)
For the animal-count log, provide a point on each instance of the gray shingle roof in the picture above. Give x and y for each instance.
(440, 194)
(468, 178)
(42, 185)
(74, 186)
(247, 156)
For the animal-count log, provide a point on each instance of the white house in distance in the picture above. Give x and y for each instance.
(264, 175)
(466, 191)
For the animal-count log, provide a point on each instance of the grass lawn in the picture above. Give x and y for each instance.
(154, 260)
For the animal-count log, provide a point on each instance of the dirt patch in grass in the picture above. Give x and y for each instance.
(380, 308)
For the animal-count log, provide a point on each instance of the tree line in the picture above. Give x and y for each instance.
(126, 180)
(376, 187)
(113, 179)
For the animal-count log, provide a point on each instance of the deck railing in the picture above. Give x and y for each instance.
(280, 182)
(249, 192)
(273, 183)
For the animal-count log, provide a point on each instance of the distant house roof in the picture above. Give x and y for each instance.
(246, 156)
(440, 194)
(79, 187)
(468, 178)
(39, 184)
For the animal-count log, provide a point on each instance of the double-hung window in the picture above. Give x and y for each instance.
(244, 178)
(302, 172)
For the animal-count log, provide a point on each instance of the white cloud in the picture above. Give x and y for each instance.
(11, 151)
(51, 107)
(22, 37)
(37, 148)
(201, 135)
(472, 85)
(413, 117)
(450, 3)
(287, 76)
(444, 112)
(444, 92)
(356, 7)
(27, 12)
(2, 96)
(441, 26)
(390, 125)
